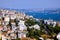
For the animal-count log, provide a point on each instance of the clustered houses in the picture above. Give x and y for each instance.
(12, 25)
(50, 22)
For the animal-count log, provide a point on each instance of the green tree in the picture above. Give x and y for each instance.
(56, 29)
(16, 22)
(18, 39)
(29, 22)
(34, 33)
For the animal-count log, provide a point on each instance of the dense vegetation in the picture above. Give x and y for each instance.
(44, 29)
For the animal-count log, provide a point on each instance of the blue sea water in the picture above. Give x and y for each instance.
(52, 16)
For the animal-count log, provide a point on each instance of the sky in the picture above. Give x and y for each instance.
(29, 4)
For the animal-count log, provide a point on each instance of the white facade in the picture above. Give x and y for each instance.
(4, 28)
(14, 27)
(20, 35)
(4, 37)
(13, 17)
(50, 22)
(41, 38)
(13, 35)
(22, 26)
(36, 26)
(58, 36)
(7, 19)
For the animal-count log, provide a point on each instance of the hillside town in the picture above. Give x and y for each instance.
(19, 26)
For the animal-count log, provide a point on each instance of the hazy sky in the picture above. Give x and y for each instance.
(29, 4)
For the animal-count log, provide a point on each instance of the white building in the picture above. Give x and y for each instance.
(20, 35)
(20, 15)
(36, 26)
(13, 35)
(6, 20)
(22, 25)
(12, 17)
(41, 38)
(14, 27)
(4, 37)
(50, 22)
(58, 36)
(4, 28)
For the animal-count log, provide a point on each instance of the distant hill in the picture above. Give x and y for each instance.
(36, 10)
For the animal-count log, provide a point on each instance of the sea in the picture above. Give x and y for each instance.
(45, 16)
(38, 15)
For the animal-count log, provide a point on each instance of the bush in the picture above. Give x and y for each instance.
(17, 39)
(29, 22)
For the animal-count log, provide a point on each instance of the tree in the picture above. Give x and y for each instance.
(18, 39)
(56, 29)
(50, 29)
(16, 21)
(29, 22)
(10, 25)
(34, 33)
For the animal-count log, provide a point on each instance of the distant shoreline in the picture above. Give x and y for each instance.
(38, 15)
